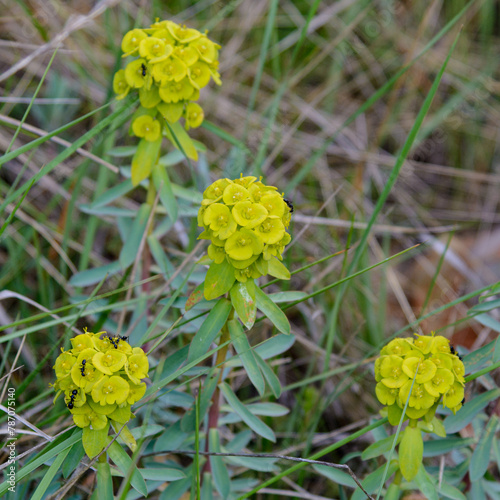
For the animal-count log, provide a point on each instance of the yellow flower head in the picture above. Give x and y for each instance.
(169, 65)
(245, 221)
(421, 372)
(97, 374)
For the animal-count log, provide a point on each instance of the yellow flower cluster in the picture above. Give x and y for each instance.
(172, 63)
(100, 379)
(430, 365)
(246, 222)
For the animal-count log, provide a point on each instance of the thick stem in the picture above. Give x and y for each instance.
(213, 414)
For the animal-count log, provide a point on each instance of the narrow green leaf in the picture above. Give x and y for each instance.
(210, 328)
(481, 456)
(245, 352)
(121, 151)
(41, 490)
(219, 280)
(104, 488)
(249, 418)
(336, 475)
(144, 159)
(164, 188)
(464, 416)
(372, 481)
(113, 193)
(219, 469)
(449, 491)
(379, 447)
(496, 352)
(95, 275)
(438, 447)
(243, 300)
(128, 468)
(131, 247)
(269, 375)
(280, 297)
(272, 311)
(162, 474)
(411, 451)
(73, 459)
(425, 483)
(188, 421)
(171, 439)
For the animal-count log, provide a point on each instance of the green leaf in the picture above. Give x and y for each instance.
(496, 352)
(411, 451)
(171, 439)
(269, 375)
(243, 300)
(248, 417)
(121, 151)
(112, 194)
(210, 328)
(425, 483)
(336, 475)
(280, 297)
(94, 441)
(219, 280)
(195, 297)
(438, 447)
(454, 423)
(379, 447)
(219, 470)
(49, 475)
(478, 358)
(164, 188)
(245, 352)
(128, 468)
(481, 456)
(372, 481)
(180, 139)
(131, 247)
(144, 159)
(277, 269)
(95, 275)
(272, 311)
(449, 491)
(73, 459)
(104, 489)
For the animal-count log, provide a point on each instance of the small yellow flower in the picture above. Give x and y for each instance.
(440, 383)
(110, 390)
(171, 69)
(399, 347)
(386, 395)
(83, 417)
(247, 273)
(392, 372)
(215, 191)
(136, 393)
(216, 253)
(182, 33)
(218, 217)
(426, 369)
(271, 230)
(147, 127)
(234, 193)
(64, 363)
(154, 49)
(441, 345)
(194, 115)
(136, 73)
(81, 342)
(454, 396)
(109, 362)
(187, 54)
(249, 214)
(137, 366)
(150, 98)
(258, 189)
(243, 244)
(131, 41)
(177, 91)
(424, 343)
(274, 204)
(120, 85)
(419, 397)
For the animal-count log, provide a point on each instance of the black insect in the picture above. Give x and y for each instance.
(83, 367)
(72, 398)
(289, 204)
(124, 338)
(452, 349)
(143, 68)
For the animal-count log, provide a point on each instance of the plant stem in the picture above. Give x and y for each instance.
(146, 253)
(213, 414)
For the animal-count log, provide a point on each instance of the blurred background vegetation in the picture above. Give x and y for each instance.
(310, 113)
